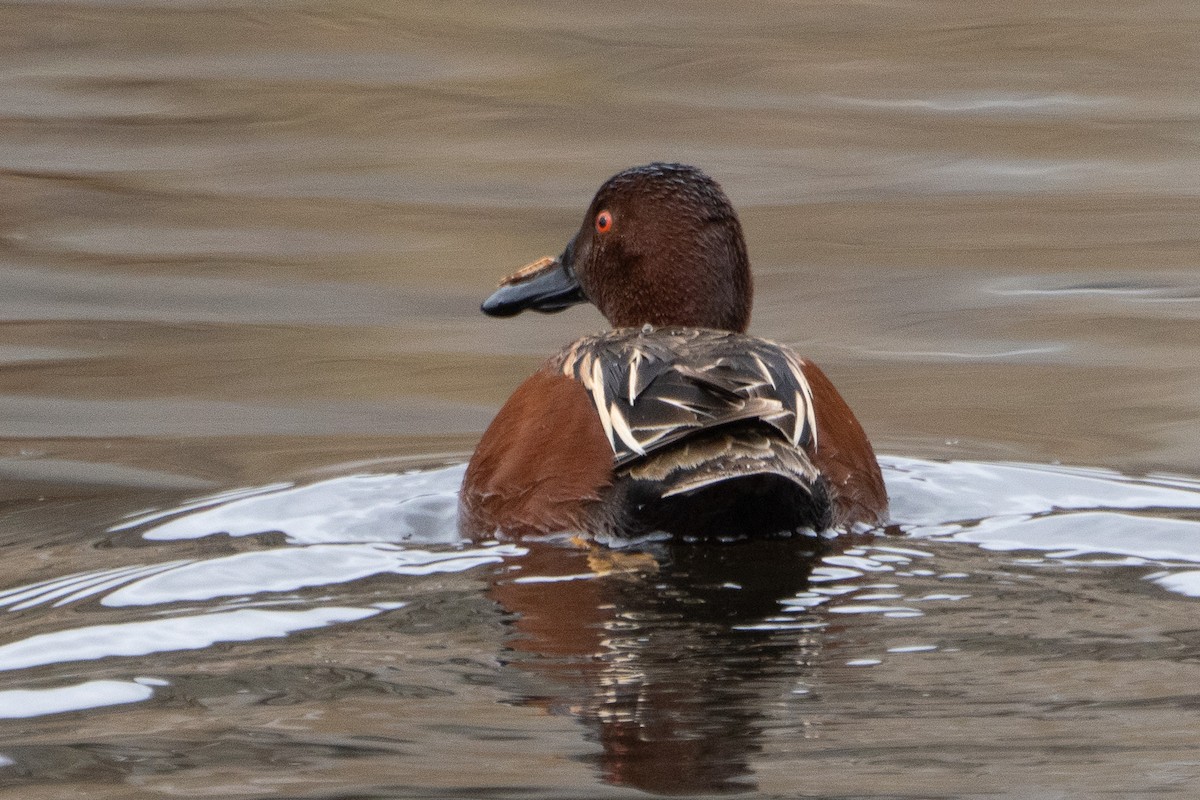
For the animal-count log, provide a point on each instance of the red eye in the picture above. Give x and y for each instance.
(604, 221)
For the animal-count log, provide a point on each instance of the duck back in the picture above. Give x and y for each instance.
(711, 432)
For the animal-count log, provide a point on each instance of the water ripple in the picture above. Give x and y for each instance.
(169, 634)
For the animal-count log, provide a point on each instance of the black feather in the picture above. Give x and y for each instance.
(690, 380)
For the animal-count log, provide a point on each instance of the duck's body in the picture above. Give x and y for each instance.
(693, 428)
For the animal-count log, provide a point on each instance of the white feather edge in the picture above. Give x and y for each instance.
(635, 361)
(622, 428)
(762, 368)
(809, 410)
(601, 403)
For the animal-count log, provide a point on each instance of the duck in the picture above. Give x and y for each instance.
(675, 421)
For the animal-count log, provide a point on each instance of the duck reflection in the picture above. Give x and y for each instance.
(674, 655)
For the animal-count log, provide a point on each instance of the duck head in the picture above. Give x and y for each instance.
(660, 244)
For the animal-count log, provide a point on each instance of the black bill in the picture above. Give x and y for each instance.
(545, 285)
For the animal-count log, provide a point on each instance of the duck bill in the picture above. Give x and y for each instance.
(546, 285)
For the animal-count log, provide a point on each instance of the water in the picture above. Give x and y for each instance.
(333, 638)
(241, 253)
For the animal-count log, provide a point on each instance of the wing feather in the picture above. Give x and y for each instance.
(652, 388)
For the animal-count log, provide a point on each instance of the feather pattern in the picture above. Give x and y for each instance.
(652, 388)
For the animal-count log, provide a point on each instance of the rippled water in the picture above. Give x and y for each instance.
(241, 363)
(333, 638)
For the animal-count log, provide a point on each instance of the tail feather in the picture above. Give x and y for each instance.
(744, 482)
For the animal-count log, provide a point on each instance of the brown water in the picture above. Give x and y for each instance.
(242, 248)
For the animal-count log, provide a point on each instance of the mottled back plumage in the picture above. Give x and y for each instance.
(652, 388)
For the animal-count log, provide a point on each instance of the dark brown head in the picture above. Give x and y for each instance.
(659, 244)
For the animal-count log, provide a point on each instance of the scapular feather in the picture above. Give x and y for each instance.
(657, 386)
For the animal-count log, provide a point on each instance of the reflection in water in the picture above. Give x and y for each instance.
(20, 703)
(664, 657)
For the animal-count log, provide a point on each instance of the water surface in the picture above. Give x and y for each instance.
(241, 363)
